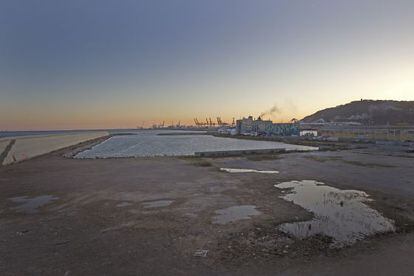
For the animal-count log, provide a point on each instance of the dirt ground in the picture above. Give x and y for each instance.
(102, 222)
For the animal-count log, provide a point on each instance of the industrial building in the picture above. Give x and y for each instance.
(375, 133)
(250, 126)
(346, 131)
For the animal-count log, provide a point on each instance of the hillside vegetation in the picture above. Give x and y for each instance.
(367, 112)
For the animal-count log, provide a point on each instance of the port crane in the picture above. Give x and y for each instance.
(210, 123)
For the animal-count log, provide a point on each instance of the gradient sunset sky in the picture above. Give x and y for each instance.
(120, 63)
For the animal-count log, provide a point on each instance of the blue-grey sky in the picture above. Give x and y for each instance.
(93, 64)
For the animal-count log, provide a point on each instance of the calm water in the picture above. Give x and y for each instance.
(235, 213)
(157, 203)
(30, 205)
(55, 132)
(40, 133)
(149, 143)
(232, 170)
(340, 214)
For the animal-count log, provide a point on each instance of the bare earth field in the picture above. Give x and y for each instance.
(140, 216)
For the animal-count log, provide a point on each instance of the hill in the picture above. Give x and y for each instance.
(367, 112)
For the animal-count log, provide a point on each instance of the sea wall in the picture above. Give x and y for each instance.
(30, 146)
(3, 145)
(225, 153)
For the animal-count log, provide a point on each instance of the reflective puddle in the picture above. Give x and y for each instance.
(340, 214)
(235, 213)
(123, 204)
(31, 205)
(157, 203)
(229, 170)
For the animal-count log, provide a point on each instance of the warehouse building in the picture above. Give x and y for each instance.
(374, 133)
(250, 126)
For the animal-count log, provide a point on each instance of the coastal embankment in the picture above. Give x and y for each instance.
(16, 149)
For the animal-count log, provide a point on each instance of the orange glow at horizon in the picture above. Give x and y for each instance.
(140, 67)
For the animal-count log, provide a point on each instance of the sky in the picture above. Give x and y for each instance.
(120, 64)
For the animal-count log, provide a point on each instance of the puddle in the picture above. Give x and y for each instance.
(31, 205)
(340, 214)
(119, 227)
(235, 213)
(229, 170)
(123, 204)
(157, 203)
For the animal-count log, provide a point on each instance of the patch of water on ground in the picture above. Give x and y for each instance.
(31, 205)
(157, 203)
(340, 214)
(231, 170)
(235, 213)
(123, 204)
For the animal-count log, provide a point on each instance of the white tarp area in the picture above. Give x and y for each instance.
(30, 146)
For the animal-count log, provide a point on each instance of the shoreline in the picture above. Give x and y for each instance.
(23, 148)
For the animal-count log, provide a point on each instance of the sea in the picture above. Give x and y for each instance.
(147, 143)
